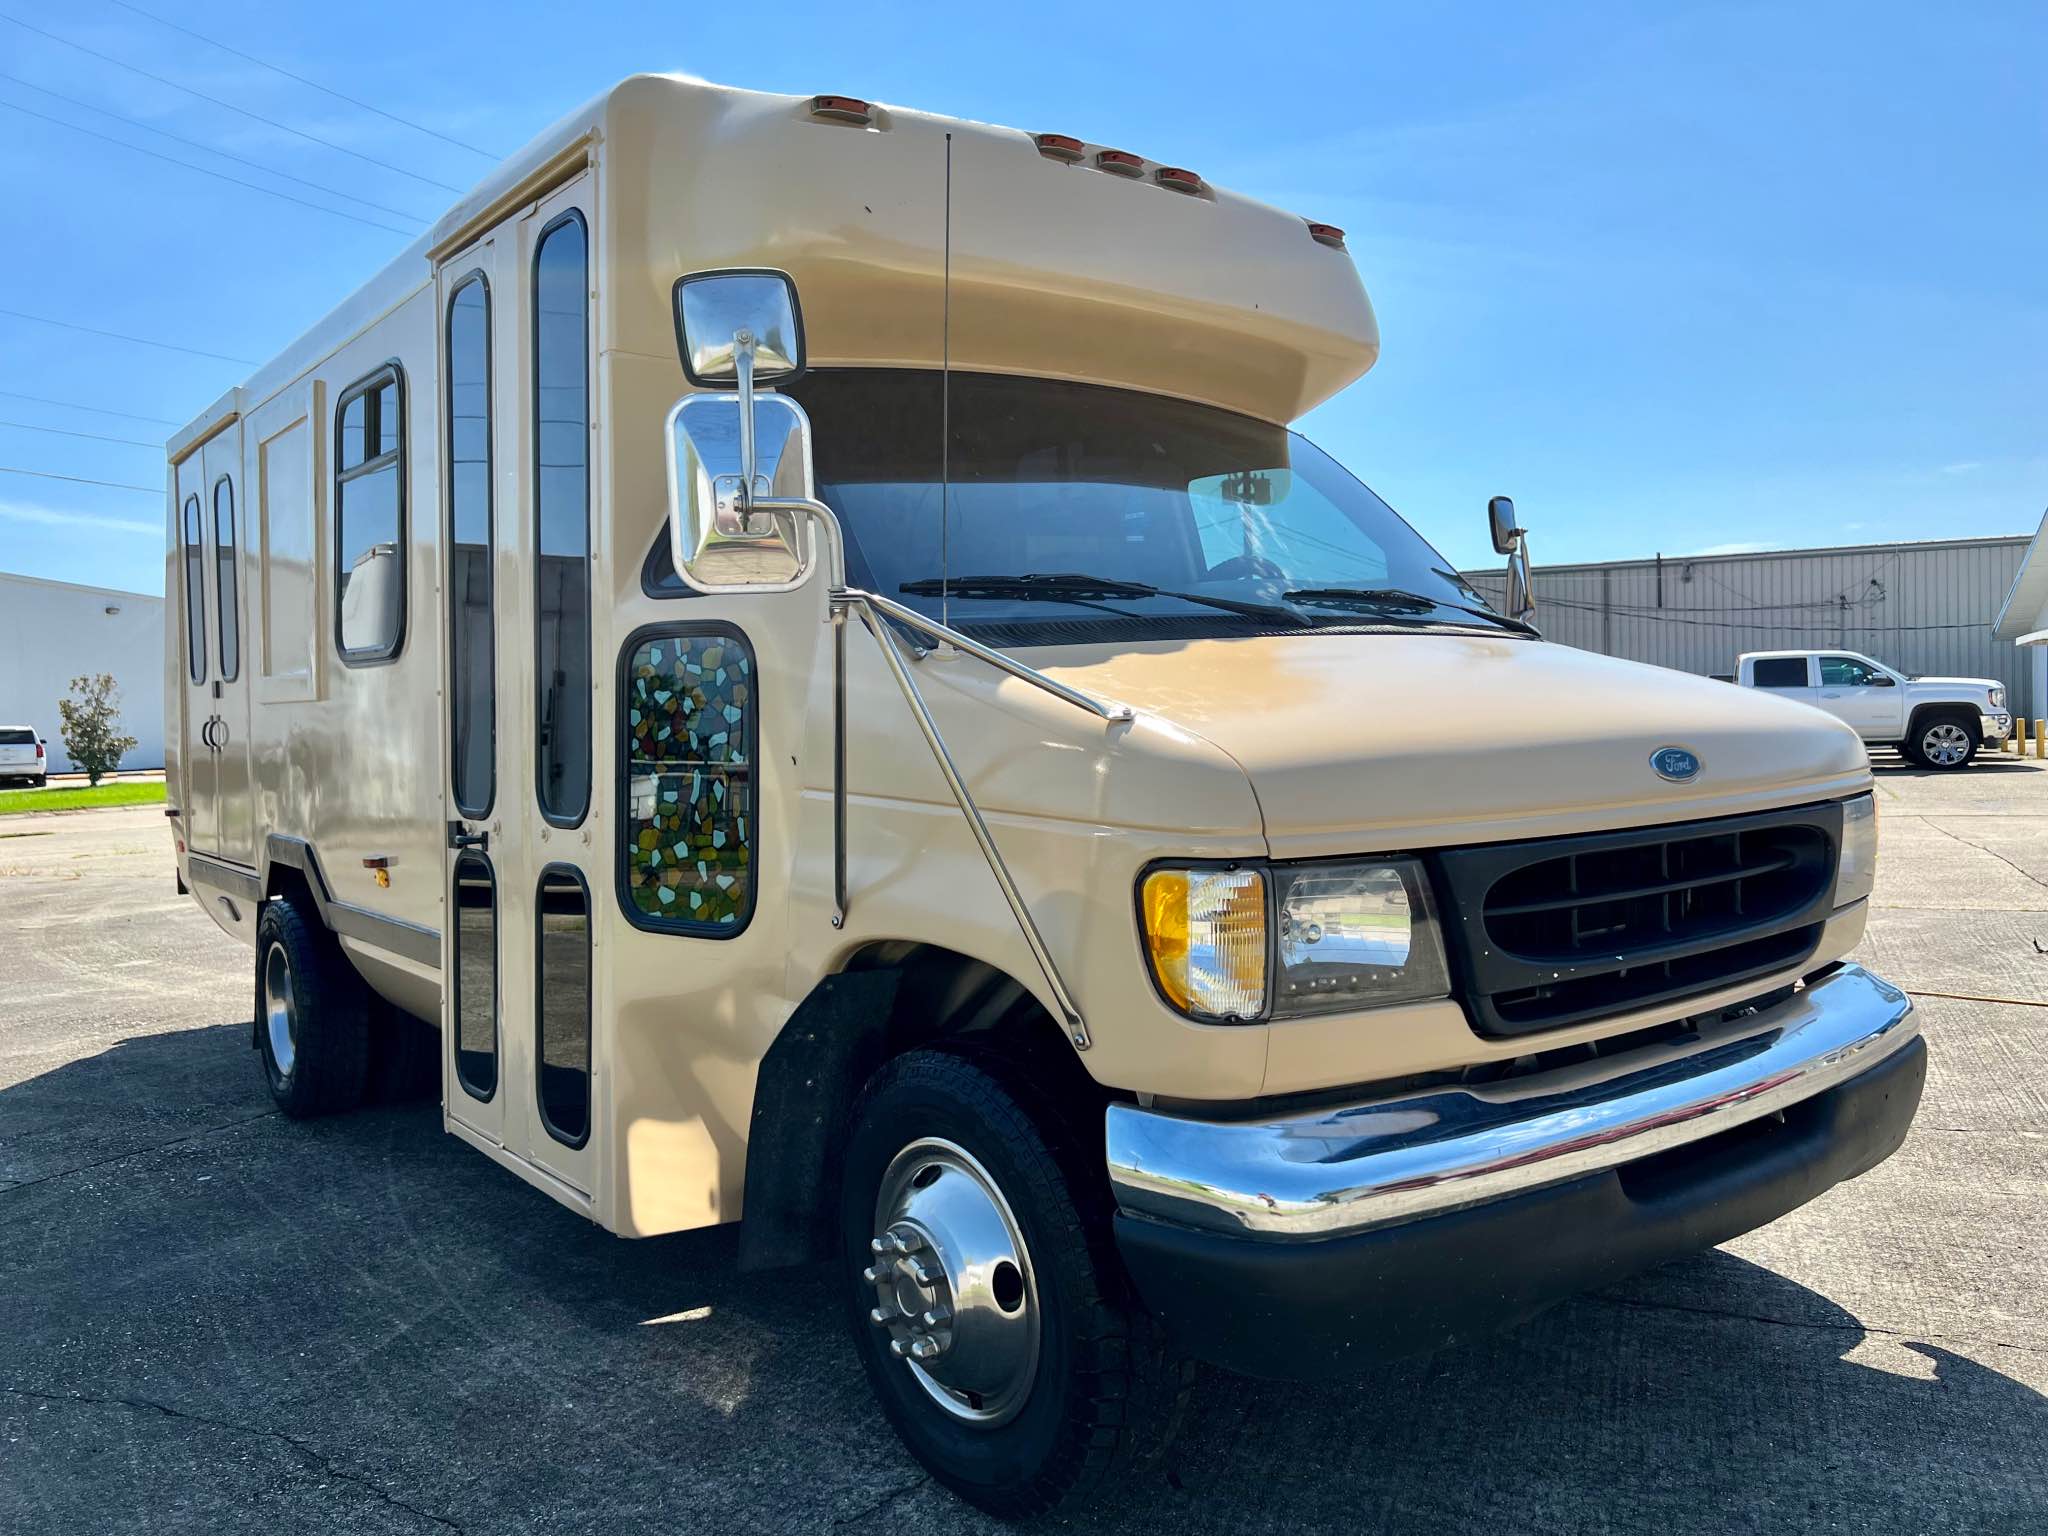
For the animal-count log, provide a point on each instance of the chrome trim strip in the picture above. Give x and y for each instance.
(1355, 1167)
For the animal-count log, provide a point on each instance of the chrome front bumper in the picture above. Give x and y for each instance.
(1352, 1168)
(1996, 725)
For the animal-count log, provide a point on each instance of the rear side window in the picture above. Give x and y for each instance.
(472, 624)
(1780, 672)
(369, 518)
(195, 593)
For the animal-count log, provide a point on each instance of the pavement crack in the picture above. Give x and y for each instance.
(2018, 1003)
(7, 1188)
(1858, 1327)
(882, 1504)
(315, 1458)
(1980, 848)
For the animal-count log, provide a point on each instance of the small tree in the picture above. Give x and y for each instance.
(92, 726)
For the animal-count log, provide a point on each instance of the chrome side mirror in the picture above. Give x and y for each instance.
(1500, 513)
(715, 309)
(727, 528)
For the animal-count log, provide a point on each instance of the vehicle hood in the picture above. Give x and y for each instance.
(1985, 683)
(1357, 742)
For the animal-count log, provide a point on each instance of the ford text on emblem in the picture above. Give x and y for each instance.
(1675, 763)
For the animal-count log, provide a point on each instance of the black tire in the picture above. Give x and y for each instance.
(1105, 1396)
(328, 1027)
(1921, 750)
(41, 781)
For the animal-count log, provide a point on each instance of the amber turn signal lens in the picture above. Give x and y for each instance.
(1205, 936)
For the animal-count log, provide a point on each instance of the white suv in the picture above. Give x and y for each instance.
(23, 755)
(1936, 722)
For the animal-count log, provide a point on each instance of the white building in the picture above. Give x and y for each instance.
(1928, 607)
(52, 632)
(2023, 618)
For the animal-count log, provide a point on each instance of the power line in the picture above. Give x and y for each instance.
(311, 138)
(254, 165)
(94, 133)
(302, 80)
(65, 432)
(140, 341)
(117, 485)
(72, 405)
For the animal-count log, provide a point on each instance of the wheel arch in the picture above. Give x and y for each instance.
(891, 997)
(1925, 715)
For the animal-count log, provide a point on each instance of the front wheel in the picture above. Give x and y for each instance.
(1944, 742)
(986, 1304)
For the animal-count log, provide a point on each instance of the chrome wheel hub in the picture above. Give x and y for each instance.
(280, 1010)
(954, 1289)
(1946, 744)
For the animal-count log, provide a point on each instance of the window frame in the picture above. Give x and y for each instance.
(1873, 676)
(623, 784)
(477, 856)
(474, 275)
(566, 216)
(540, 913)
(227, 614)
(196, 656)
(390, 371)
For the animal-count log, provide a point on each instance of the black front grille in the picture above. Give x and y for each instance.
(1560, 930)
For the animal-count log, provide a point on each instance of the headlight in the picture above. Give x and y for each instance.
(1998, 699)
(1356, 935)
(1856, 870)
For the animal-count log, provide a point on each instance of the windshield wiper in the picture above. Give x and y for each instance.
(1064, 586)
(1402, 601)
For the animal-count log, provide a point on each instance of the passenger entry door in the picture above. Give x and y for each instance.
(1862, 695)
(216, 810)
(516, 531)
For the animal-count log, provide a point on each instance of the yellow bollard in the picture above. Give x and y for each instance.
(2041, 738)
(2017, 742)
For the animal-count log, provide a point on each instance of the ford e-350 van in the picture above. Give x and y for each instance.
(797, 633)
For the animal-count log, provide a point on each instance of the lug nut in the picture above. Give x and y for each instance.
(899, 1348)
(873, 1274)
(924, 1347)
(888, 1243)
(923, 1274)
(880, 1315)
(933, 1317)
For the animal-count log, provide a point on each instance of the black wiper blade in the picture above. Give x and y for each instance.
(1403, 602)
(1077, 584)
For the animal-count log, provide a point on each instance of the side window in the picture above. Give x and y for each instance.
(224, 553)
(1847, 672)
(369, 518)
(472, 666)
(195, 593)
(476, 976)
(562, 1004)
(1780, 672)
(561, 510)
(688, 822)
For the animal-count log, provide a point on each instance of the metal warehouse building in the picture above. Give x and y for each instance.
(1926, 607)
(52, 632)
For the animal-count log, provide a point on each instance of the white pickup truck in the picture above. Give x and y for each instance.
(1936, 722)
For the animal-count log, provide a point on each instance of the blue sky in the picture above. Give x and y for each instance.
(1680, 278)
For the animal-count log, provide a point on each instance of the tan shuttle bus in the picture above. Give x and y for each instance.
(797, 634)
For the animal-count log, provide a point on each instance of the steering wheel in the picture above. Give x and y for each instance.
(1242, 566)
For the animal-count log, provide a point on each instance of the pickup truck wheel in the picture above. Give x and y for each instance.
(986, 1307)
(1944, 742)
(312, 1017)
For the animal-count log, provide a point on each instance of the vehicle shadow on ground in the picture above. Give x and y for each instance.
(1891, 767)
(359, 1323)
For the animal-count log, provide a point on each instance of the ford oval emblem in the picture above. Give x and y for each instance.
(1675, 764)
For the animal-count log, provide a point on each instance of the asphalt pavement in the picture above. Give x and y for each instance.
(212, 1318)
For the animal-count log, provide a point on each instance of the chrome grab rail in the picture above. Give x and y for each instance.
(1352, 1168)
(874, 612)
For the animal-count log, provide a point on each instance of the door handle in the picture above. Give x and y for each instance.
(220, 733)
(206, 733)
(460, 837)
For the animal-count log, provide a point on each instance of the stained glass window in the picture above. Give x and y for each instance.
(689, 815)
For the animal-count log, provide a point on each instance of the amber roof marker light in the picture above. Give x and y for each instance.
(1325, 234)
(1119, 162)
(1180, 179)
(842, 109)
(1060, 146)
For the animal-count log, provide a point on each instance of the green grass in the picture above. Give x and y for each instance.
(149, 792)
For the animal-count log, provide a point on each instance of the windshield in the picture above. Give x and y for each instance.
(1059, 481)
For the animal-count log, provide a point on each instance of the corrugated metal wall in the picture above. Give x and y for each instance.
(1921, 608)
